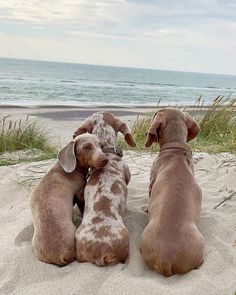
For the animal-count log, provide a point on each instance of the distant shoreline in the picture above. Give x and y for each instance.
(70, 113)
(91, 107)
(77, 107)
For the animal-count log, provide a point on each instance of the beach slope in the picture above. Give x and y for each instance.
(22, 273)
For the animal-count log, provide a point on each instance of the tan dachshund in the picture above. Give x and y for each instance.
(102, 238)
(171, 242)
(52, 200)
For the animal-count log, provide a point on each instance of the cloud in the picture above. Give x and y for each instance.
(118, 17)
(192, 35)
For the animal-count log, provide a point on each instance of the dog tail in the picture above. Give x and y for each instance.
(165, 269)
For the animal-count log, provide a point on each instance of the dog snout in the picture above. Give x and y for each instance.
(103, 160)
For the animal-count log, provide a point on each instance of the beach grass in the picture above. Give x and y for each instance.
(216, 120)
(23, 135)
(26, 140)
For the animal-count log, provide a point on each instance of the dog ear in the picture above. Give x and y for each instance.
(66, 157)
(158, 121)
(192, 126)
(86, 126)
(124, 129)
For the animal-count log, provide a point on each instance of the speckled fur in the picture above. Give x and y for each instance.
(102, 238)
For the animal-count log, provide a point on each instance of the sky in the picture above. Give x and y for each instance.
(197, 35)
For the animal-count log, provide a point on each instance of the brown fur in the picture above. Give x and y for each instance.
(171, 242)
(52, 200)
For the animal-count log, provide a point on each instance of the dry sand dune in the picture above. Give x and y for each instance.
(22, 273)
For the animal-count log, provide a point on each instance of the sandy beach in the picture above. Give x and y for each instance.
(61, 122)
(62, 61)
(22, 273)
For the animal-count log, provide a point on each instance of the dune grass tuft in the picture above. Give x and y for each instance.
(16, 135)
(217, 122)
(218, 127)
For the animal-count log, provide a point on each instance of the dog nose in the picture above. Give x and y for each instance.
(104, 161)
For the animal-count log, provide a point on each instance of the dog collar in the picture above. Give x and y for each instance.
(114, 150)
(175, 145)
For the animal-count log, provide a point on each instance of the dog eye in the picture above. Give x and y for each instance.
(87, 147)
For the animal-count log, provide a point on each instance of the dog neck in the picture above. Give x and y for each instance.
(175, 145)
(105, 132)
(81, 169)
(175, 131)
(113, 150)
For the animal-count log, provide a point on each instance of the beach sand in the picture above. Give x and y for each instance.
(61, 122)
(22, 273)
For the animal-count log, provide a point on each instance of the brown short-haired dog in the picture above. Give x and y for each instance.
(52, 200)
(171, 242)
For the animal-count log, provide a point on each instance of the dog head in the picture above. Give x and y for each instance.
(171, 125)
(105, 124)
(85, 149)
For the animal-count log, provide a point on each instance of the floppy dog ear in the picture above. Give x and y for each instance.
(192, 126)
(158, 121)
(124, 129)
(86, 126)
(66, 157)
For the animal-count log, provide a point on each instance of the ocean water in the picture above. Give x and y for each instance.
(24, 82)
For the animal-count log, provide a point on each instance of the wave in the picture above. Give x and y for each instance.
(11, 78)
(68, 81)
(117, 83)
(96, 83)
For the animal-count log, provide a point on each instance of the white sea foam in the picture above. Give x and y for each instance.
(61, 84)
